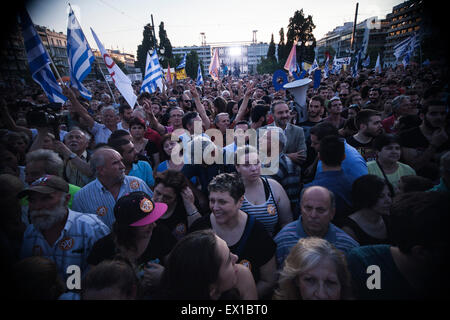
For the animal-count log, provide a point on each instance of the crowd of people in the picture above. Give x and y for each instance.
(285, 201)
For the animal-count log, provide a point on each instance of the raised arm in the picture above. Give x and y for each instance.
(199, 106)
(154, 123)
(9, 122)
(78, 108)
(243, 109)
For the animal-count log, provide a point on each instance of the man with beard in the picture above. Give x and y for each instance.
(422, 146)
(295, 147)
(125, 112)
(316, 108)
(100, 195)
(369, 126)
(77, 170)
(133, 166)
(56, 232)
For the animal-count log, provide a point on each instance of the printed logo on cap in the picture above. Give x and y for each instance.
(134, 184)
(246, 263)
(146, 205)
(66, 243)
(101, 211)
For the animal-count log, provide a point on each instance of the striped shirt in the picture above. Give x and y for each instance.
(266, 213)
(292, 232)
(73, 246)
(95, 198)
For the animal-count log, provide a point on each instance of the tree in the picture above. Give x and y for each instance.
(267, 65)
(271, 50)
(282, 56)
(149, 42)
(300, 29)
(192, 64)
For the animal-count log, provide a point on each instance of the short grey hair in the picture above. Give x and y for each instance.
(107, 109)
(98, 159)
(216, 119)
(54, 165)
(398, 101)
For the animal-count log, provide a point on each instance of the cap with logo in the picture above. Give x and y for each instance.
(46, 184)
(136, 209)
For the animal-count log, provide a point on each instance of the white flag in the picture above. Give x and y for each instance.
(378, 65)
(122, 82)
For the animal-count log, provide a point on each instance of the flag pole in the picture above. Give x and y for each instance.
(106, 81)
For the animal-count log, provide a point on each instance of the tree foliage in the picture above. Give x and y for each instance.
(148, 43)
(282, 56)
(164, 42)
(192, 64)
(300, 29)
(271, 50)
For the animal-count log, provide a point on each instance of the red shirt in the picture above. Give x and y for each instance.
(388, 124)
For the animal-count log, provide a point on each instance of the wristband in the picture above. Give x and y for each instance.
(193, 213)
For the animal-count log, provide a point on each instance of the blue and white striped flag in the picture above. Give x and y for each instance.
(326, 69)
(39, 61)
(366, 63)
(79, 55)
(153, 74)
(405, 47)
(314, 66)
(199, 76)
(182, 64)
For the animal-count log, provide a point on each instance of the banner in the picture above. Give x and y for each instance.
(122, 82)
(342, 61)
(181, 74)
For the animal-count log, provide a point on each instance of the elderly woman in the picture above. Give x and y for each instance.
(265, 199)
(286, 172)
(201, 267)
(314, 270)
(372, 201)
(243, 234)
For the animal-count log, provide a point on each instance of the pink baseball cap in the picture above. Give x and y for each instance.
(137, 209)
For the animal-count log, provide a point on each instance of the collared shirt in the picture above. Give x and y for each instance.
(73, 246)
(101, 133)
(95, 198)
(292, 232)
(74, 176)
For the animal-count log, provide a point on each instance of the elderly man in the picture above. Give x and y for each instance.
(295, 147)
(102, 131)
(317, 211)
(222, 122)
(286, 172)
(100, 195)
(76, 157)
(401, 106)
(41, 162)
(56, 232)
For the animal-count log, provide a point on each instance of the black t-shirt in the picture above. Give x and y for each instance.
(367, 150)
(257, 251)
(160, 244)
(177, 223)
(414, 139)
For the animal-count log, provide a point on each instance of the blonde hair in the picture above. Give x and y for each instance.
(306, 254)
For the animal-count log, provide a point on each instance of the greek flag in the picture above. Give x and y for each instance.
(153, 74)
(79, 54)
(182, 65)
(199, 76)
(366, 62)
(407, 46)
(314, 66)
(39, 61)
(326, 69)
(356, 64)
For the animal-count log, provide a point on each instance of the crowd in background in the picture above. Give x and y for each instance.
(362, 179)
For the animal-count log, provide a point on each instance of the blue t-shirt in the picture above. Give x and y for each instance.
(353, 165)
(143, 170)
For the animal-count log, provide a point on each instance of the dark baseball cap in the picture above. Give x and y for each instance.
(46, 184)
(137, 209)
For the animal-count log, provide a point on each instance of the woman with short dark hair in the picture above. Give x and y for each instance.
(371, 200)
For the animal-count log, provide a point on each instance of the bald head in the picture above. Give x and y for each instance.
(318, 209)
(107, 164)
